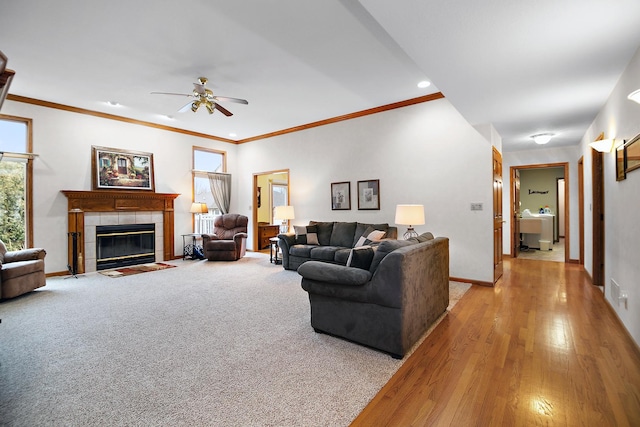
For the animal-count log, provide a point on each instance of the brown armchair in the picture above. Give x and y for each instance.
(20, 271)
(229, 241)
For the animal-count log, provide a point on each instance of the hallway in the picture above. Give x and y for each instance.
(540, 348)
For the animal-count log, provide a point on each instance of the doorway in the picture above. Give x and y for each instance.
(540, 188)
(270, 189)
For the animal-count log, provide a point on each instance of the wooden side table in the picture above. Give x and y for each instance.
(273, 243)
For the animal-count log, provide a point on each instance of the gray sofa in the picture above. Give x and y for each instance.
(388, 306)
(335, 241)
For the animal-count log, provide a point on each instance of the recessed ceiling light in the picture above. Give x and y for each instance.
(424, 84)
(169, 117)
(113, 103)
(232, 135)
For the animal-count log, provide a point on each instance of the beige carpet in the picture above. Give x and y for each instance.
(204, 344)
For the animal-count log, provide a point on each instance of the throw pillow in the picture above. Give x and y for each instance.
(360, 257)
(312, 235)
(301, 234)
(369, 236)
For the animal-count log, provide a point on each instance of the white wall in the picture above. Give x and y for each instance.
(620, 119)
(542, 157)
(63, 142)
(426, 154)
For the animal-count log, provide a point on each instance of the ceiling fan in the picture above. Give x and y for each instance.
(204, 96)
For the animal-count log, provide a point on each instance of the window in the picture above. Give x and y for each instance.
(206, 160)
(16, 172)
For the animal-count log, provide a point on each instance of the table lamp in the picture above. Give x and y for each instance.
(284, 213)
(410, 215)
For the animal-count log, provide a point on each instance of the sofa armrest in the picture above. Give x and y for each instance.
(24, 255)
(334, 274)
(208, 237)
(285, 241)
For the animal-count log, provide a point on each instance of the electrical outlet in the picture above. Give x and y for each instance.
(476, 206)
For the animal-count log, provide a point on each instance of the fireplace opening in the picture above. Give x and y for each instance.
(124, 245)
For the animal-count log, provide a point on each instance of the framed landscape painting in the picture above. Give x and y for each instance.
(340, 196)
(369, 194)
(116, 169)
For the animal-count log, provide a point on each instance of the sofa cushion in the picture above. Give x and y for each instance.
(301, 250)
(369, 236)
(317, 271)
(324, 253)
(424, 237)
(361, 257)
(21, 268)
(361, 228)
(384, 248)
(342, 234)
(341, 256)
(324, 232)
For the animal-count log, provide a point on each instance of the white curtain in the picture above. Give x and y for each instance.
(221, 189)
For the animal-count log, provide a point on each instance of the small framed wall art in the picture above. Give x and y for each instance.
(340, 196)
(369, 194)
(632, 155)
(117, 169)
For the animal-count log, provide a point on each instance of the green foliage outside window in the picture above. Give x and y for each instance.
(12, 205)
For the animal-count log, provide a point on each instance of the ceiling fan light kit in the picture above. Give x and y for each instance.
(204, 96)
(542, 138)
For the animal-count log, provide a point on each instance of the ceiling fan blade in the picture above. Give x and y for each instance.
(223, 110)
(186, 107)
(226, 98)
(171, 93)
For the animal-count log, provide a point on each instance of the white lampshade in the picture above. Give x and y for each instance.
(199, 208)
(410, 214)
(603, 145)
(542, 138)
(284, 212)
(635, 96)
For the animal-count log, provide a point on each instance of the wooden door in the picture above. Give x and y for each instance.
(515, 213)
(597, 178)
(497, 215)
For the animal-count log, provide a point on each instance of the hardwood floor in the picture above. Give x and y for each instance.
(540, 348)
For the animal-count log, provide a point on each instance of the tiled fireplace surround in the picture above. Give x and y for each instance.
(91, 220)
(88, 209)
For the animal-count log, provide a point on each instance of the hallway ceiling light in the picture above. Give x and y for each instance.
(542, 138)
(635, 96)
(423, 84)
(603, 145)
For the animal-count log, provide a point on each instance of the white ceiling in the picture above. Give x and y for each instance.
(525, 67)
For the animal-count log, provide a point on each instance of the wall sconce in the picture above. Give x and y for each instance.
(410, 215)
(635, 96)
(284, 213)
(603, 145)
(542, 138)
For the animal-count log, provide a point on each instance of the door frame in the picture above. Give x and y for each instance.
(565, 165)
(254, 204)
